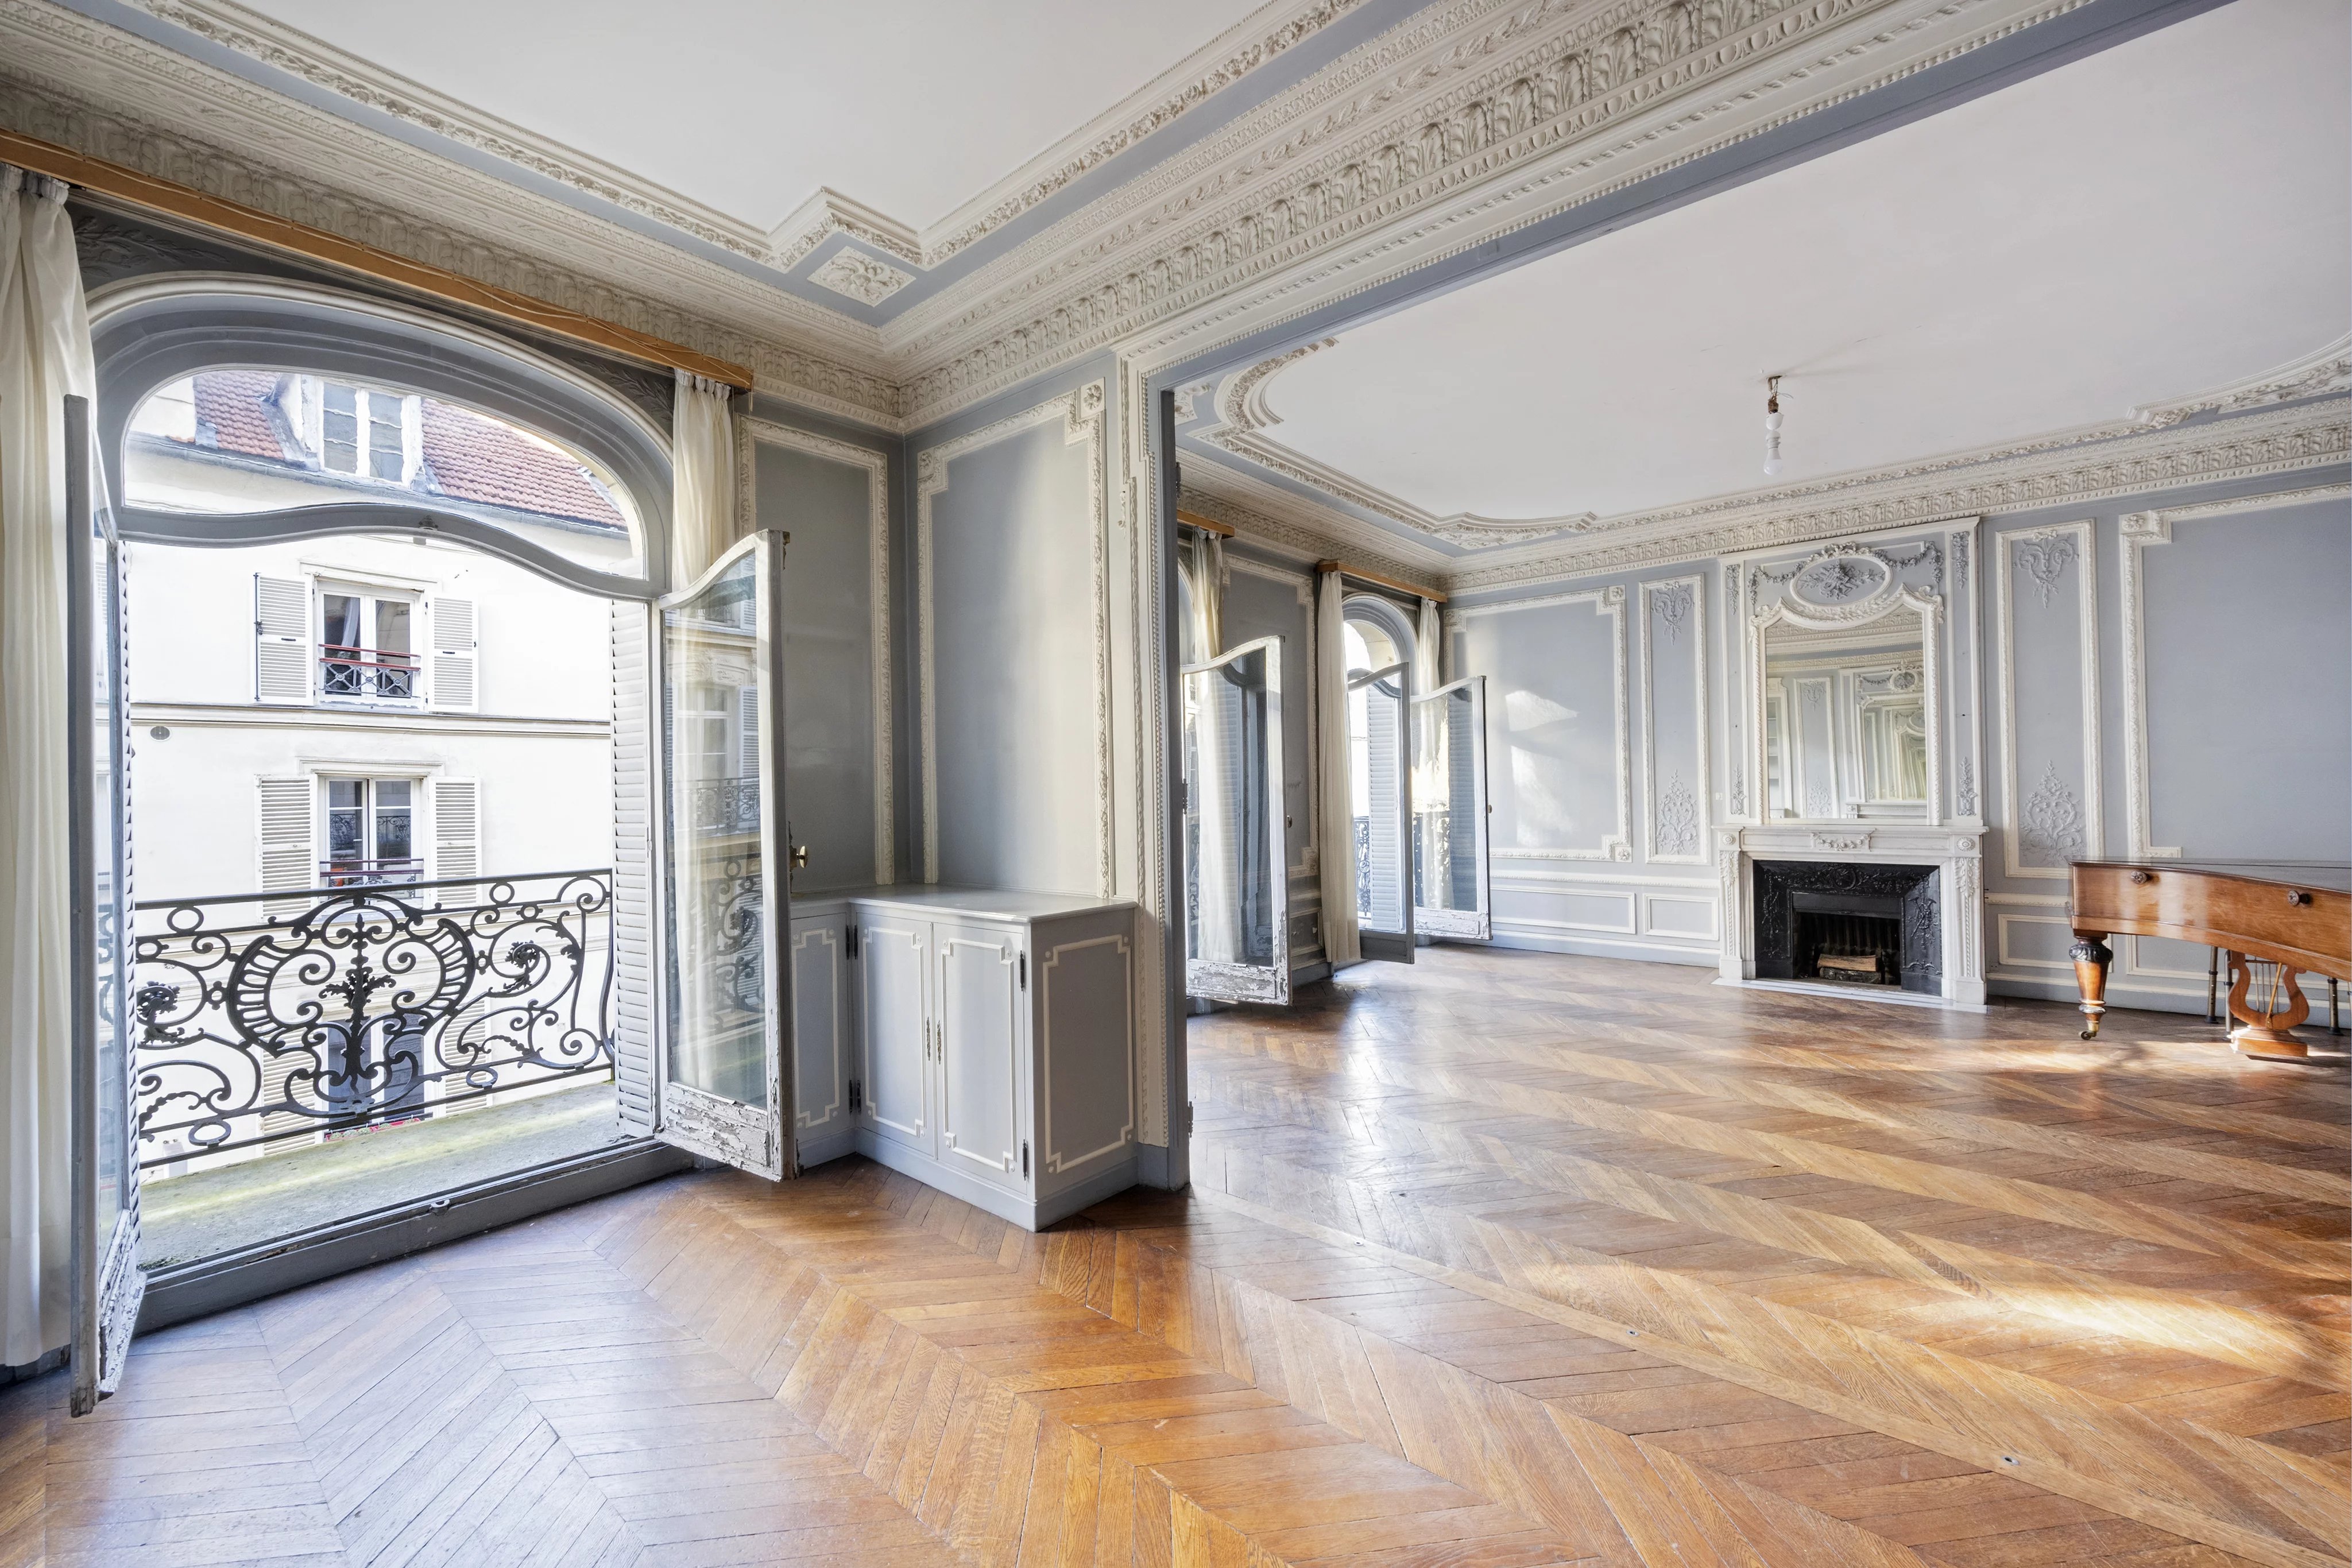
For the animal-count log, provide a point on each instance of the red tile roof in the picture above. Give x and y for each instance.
(469, 456)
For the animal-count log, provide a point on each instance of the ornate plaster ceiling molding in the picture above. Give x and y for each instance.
(2316, 374)
(1296, 523)
(1244, 417)
(1481, 118)
(2304, 435)
(1192, 81)
(861, 276)
(68, 79)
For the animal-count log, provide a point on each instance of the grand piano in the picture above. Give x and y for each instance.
(2269, 920)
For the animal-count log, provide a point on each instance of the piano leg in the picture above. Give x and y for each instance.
(2091, 956)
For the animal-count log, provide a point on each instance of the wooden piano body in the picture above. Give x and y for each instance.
(2271, 927)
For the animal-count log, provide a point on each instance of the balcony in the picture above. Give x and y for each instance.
(347, 673)
(304, 1057)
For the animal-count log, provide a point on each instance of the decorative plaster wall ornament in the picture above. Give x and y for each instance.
(1678, 826)
(1673, 601)
(1842, 843)
(865, 277)
(1772, 425)
(2053, 824)
(1965, 791)
(2044, 558)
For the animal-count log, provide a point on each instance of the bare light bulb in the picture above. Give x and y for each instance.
(1772, 426)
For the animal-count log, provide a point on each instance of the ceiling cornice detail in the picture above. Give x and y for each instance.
(1294, 538)
(1479, 118)
(68, 79)
(2316, 374)
(1193, 81)
(2063, 472)
(1244, 417)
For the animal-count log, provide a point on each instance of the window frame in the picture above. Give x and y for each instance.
(373, 597)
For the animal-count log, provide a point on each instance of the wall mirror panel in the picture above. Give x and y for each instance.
(1845, 721)
(1451, 891)
(1237, 910)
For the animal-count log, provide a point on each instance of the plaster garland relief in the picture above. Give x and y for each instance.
(860, 276)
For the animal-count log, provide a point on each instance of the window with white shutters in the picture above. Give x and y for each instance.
(281, 641)
(286, 826)
(457, 831)
(456, 658)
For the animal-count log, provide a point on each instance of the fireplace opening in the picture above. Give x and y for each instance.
(1847, 946)
(1866, 925)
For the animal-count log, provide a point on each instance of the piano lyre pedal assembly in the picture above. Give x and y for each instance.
(2267, 929)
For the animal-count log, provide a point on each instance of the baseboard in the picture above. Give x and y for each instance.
(811, 1152)
(232, 1279)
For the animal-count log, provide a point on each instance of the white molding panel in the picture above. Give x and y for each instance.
(2059, 818)
(1609, 603)
(1681, 602)
(750, 433)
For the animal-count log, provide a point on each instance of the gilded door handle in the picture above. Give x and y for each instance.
(800, 857)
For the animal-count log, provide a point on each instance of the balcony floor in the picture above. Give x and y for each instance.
(202, 1214)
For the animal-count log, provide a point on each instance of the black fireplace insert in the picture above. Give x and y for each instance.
(1863, 926)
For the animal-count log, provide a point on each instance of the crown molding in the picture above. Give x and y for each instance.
(1281, 520)
(1470, 120)
(2065, 471)
(1216, 64)
(1244, 417)
(2320, 374)
(68, 79)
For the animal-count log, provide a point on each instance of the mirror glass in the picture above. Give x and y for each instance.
(1232, 793)
(1845, 721)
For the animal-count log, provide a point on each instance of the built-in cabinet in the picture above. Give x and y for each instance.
(980, 1042)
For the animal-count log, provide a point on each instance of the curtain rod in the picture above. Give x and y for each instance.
(1361, 575)
(182, 202)
(1206, 525)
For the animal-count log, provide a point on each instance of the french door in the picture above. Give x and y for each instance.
(1452, 892)
(107, 1285)
(1236, 881)
(722, 1090)
(1379, 726)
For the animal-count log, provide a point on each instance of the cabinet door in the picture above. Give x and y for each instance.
(894, 966)
(981, 982)
(820, 1020)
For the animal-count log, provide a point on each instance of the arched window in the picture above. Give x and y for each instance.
(1378, 641)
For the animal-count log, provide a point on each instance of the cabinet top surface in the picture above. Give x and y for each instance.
(978, 902)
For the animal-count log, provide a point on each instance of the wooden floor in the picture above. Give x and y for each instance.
(1504, 1259)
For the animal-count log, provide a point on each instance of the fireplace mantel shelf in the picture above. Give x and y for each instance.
(1954, 849)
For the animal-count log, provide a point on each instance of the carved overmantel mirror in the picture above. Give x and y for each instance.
(1844, 667)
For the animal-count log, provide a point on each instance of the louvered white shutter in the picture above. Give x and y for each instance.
(632, 882)
(456, 664)
(281, 641)
(456, 834)
(289, 859)
(747, 733)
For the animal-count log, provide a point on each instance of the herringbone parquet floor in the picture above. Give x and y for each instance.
(1506, 1260)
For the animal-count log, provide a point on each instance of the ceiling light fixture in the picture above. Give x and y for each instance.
(1772, 425)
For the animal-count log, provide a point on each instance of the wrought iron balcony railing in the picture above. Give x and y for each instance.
(349, 671)
(725, 805)
(264, 1018)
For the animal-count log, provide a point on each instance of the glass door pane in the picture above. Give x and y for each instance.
(1382, 794)
(1451, 890)
(722, 1089)
(107, 1285)
(1237, 891)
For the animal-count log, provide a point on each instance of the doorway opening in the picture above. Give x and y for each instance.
(1378, 646)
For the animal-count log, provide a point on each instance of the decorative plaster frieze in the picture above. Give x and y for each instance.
(1479, 118)
(2252, 446)
(1244, 417)
(860, 276)
(2322, 374)
(1292, 537)
(1192, 82)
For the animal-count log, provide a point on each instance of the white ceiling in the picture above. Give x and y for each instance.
(747, 106)
(2164, 217)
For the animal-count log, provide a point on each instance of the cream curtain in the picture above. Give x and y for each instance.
(702, 484)
(45, 355)
(1334, 780)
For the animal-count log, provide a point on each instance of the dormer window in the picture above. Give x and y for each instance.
(365, 432)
